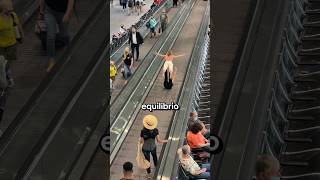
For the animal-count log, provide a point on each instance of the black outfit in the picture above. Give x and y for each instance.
(167, 82)
(127, 59)
(149, 145)
(135, 46)
(58, 5)
(175, 3)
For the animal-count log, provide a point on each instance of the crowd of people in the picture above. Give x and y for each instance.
(131, 6)
(132, 52)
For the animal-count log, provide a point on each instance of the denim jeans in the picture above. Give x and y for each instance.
(154, 156)
(52, 18)
(127, 72)
(205, 175)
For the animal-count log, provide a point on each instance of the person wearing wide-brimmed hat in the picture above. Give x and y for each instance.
(148, 135)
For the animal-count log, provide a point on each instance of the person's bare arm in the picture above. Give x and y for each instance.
(67, 14)
(141, 140)
(160, 140)
(176, 56)
(161, 55)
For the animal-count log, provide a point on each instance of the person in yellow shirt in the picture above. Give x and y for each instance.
(8, 39)
(113, 70)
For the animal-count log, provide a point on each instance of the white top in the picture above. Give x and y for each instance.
(134, 38)
(188, 164)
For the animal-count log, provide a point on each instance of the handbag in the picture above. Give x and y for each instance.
(141, 160)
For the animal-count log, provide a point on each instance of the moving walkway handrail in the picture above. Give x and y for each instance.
(168, 158)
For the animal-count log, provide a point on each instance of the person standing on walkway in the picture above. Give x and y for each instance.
(10, 33)
(124, 4)
(127, 64)
(153, 25)
(135, 40)
(139, 4)
(56, 12)
(127, 171)
(174, 3)
(148, 136)
(168, 65)
(163, 20)
(131, 7)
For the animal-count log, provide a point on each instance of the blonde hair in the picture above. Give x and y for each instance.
(126, 51)
(169, 53)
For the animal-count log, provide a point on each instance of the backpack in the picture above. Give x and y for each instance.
(113, 71)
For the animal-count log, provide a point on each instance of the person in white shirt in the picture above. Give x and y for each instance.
(135, 39)
(191, 166)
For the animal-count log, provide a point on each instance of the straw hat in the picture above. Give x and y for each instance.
(150, 122)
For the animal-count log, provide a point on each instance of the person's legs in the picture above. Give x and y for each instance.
(132, 50)
(126, 72)
(51, 36)
(147, 156)
(137, 50)
(165, 67)
(63, 35)
(170, 67)
(154, 157)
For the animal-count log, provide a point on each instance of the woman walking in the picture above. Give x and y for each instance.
(124, 4)
(148, 136)
(9, 26)
(127, 64)
(168, 65)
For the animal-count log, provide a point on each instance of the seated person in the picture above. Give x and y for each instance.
(193, 119)
(195, 138)
(191, 166)
(267, 168)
